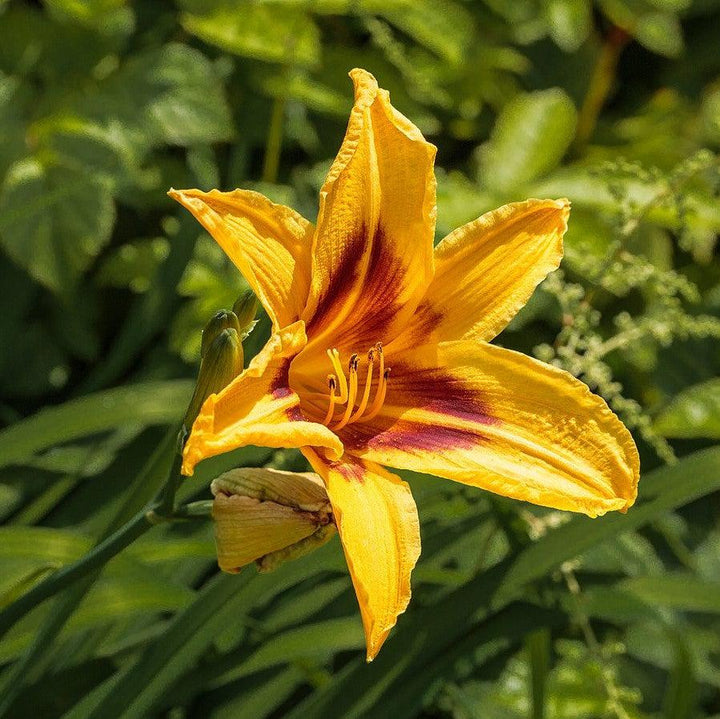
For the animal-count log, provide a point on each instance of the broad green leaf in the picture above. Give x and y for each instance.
(144, 404)
(695, 412)
(167, 95)
(660, 32)
(447, 33)
(105, 16)
(570, 22)
(285, 35)
(54, 221)
(529, 139)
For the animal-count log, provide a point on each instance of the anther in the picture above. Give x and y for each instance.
(334, 356)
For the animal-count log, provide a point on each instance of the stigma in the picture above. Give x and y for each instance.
(348, 403)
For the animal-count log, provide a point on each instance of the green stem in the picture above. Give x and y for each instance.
(600, 85)
(274, 142)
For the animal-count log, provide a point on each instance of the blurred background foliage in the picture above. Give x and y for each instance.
(517, 611)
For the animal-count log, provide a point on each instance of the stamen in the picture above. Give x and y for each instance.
(331, 409)
(379, 397)
(368, 386)
(348, 389)
(352, 368)
(334, 356)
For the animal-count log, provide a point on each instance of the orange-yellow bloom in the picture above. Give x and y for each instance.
(380, 356)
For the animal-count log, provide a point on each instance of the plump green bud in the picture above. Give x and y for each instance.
(222, 320)
(223, 361)
(245, 309)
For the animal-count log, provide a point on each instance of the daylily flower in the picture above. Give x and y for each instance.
(379, 354)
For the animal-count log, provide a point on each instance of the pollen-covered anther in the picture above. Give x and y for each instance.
(349, 386)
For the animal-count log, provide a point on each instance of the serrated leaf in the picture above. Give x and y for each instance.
(693, 413)
(529, 139)
(54, 221)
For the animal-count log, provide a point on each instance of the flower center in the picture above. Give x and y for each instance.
(345, 399)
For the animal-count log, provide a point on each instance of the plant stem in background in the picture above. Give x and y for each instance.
(274, 141)
(600, 85)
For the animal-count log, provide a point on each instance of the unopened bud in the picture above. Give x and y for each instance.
(223, 361)
(222, 320)
(268, 516)
(245, 309)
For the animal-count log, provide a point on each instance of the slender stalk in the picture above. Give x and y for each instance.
(600, 85)
(274, 141)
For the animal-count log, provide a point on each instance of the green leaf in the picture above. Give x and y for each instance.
(105, 16)
(260, 31)
(448, 33)
(570, 22)
(42, 544)
(693, 413)
(54, 221)
(660, 32)
(677, 591)
(225, 597)
(319, 640)
(144, 404)
(529, 139)
(664, 489)
(168, 95)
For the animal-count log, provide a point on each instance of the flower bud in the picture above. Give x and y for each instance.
(268, 516)
(224, 319)
(223, 361)
(245, 309)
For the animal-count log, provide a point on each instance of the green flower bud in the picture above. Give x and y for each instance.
(223, 361)
(245, 309)
(268, 516)
(222, 320)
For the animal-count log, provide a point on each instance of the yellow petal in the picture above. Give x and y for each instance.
(270, 244)
(496, 419)
(258, 408)
(372, 253)
(378, 524)
(485, 271)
